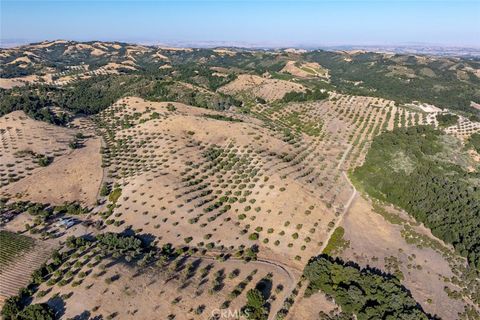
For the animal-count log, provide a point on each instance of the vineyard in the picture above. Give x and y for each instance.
(13, 246)
(20, 256)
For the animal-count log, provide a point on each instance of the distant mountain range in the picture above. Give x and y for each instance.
(415, 48)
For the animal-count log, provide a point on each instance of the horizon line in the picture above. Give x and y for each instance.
(206, 44)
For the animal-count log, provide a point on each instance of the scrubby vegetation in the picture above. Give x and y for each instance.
(308, 95)
(222, 117)
(336, 242)
(447, 119)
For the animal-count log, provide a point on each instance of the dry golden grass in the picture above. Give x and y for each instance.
(74, 175)
(376, 242)
(268, 89)
(155, 198)
(305, 70)
(157, 292)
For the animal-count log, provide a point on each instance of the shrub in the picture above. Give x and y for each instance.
(256, 305)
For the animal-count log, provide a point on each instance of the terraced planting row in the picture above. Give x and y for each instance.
(19, 257)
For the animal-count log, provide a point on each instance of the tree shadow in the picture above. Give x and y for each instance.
(57, 304)
(85, 315)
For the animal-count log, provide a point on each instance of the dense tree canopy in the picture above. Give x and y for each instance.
(474, 141)
(34, 102)
(447, 119)
(13, 309)
(308, 95)
(412, 168)
(363, 292)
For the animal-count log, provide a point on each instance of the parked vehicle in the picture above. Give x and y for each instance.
(66, 223)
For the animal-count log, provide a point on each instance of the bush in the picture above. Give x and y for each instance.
(105, 190)
(114, 195)
(43, 160)
(253, 236)
(255, 307)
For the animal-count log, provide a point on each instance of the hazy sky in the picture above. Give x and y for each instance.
(278, 23)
